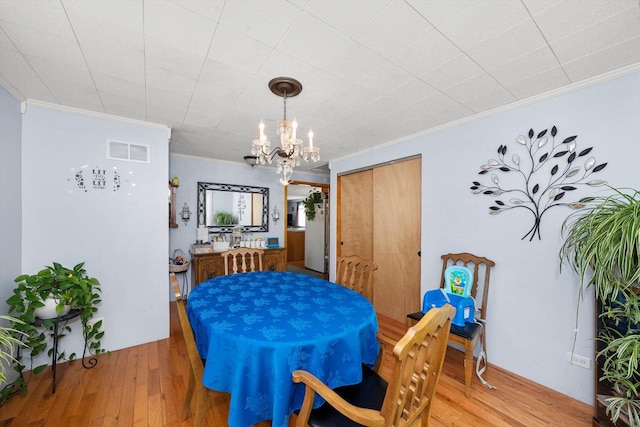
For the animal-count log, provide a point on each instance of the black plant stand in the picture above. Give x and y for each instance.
(72, 314)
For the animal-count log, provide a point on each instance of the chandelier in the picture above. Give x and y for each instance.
(291, 149)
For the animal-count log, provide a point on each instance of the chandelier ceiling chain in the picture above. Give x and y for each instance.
(291, 148)
(284, 96)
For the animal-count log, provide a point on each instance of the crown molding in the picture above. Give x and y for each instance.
(601, 78)
(58, 107)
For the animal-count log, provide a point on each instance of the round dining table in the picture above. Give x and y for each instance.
(255, 329)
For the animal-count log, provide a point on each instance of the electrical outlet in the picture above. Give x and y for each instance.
(577, 360)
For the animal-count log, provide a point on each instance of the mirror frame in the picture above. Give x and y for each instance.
(203, 187)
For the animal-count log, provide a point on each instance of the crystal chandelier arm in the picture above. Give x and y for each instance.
(261, 151)
(281, 152)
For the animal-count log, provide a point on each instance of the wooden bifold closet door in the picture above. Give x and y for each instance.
(355, 212)
(379, 219)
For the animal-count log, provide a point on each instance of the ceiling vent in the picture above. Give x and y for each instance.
(128, 151)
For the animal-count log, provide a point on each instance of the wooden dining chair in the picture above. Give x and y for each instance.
(196, 369)
(356, 274)
(468, 336)
(416, 363)
(243, 260)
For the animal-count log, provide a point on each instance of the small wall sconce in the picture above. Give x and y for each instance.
(185, 213)
(275, 214)
(251, 160)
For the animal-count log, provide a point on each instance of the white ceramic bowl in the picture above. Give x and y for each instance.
(220, 246)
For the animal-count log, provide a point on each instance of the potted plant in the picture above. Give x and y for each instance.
(310, 204)
(224, 218)
(620, 367)
(602, 244)
(70, 287)
(8, 341)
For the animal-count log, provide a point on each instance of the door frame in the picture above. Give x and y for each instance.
(325, 187)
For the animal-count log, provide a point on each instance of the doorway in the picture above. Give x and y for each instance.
(307, 241)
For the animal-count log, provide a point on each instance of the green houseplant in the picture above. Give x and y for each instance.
(310, 204)
(224, 218)
(69, 287)
(602, 244)
(8, 341)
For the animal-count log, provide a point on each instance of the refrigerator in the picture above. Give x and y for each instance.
(316, 242)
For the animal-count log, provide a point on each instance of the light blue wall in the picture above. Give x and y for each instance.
(10, 207)
(120, 234)
(532, 305)
(191, 170)
(532, 308)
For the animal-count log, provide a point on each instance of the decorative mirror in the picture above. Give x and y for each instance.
(224, 206)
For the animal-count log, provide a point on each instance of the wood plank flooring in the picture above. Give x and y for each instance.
(300, 264)
(145, 386)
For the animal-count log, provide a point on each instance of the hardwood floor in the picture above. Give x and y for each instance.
(300, 264)
(145, 386)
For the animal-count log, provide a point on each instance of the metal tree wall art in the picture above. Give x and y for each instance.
(542, 177)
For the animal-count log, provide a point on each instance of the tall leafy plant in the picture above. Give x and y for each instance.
(602, 244)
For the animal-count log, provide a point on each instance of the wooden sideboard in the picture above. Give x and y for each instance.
(206, 266)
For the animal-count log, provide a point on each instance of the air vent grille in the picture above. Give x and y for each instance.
(128, 151)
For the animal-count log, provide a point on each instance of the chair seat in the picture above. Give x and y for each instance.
(469, 331)
(367, 394)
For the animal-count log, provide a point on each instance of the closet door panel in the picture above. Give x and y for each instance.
(396, 238)
(355, 215)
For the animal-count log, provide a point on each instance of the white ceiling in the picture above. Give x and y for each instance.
(373, 71)
(300, 191)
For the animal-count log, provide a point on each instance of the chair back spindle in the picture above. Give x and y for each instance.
(243, 260)
(416, 363)
(356, 273)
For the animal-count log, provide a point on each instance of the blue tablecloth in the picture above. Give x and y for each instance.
(255, 329)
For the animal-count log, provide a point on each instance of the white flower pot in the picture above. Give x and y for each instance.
(49, 309)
